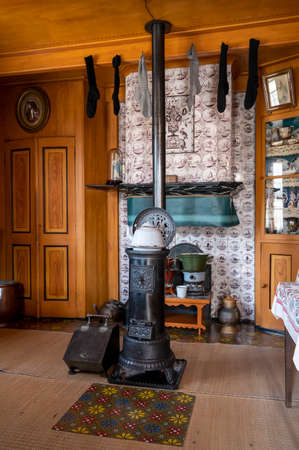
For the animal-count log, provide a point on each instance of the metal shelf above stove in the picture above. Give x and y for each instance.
(203, 188)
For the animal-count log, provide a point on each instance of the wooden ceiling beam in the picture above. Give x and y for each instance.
(207, 43)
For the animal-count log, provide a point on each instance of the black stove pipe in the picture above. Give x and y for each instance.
(158, 28)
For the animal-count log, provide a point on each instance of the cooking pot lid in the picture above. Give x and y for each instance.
(195, 255)
(183, 248)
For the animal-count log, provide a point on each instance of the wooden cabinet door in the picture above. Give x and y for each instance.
(56, 228)
(21, 257)
(279, 262)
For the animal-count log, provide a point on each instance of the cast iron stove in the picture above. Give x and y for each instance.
(146, 358)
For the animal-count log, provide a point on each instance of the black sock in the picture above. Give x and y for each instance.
(93, 93)
(223, 86)
(116, 61)
(253, 80)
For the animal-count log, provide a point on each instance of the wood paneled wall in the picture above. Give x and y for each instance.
(2, 211)
(95, 248)
(282, 63)
(102, 251)
(96, 205)
(66, 105)
(68, 118)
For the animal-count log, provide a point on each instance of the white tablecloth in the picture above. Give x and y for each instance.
(286, 307)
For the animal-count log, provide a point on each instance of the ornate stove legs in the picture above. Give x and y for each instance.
(167, 378)
(124, 372)
(169, 375)
(121, 373)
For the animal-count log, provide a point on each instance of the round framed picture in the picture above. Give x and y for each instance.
(33, 109)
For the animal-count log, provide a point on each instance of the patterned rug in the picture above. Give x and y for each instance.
(145, 415)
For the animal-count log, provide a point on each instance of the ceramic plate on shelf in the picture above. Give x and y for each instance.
(183, 248)
(160, 218)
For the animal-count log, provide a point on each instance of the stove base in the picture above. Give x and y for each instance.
(154, 379)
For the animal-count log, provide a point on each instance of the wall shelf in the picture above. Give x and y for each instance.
(200, 188)
(104, 187)
(190, 204)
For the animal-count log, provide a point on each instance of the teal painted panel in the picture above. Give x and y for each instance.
(191, 211)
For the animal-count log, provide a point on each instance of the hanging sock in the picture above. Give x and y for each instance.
(193, 76)
(93, 93)
(116, 61)
(253, 80)
(223, 86)
(142, 91)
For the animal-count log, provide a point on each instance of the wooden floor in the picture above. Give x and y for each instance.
(239, 396)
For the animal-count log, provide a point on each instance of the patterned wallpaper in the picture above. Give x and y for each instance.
(203, 145)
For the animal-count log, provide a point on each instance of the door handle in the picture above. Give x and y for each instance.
(264, 286)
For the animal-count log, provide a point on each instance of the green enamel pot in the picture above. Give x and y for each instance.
(194, 262)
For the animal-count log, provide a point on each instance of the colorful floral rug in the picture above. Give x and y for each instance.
(145, 415)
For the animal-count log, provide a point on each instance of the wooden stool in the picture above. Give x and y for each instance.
(181, 320)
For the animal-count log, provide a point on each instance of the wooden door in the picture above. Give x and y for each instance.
(279, 262)
(56, 228)
(21, 237)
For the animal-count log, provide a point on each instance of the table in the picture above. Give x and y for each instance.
(286, 306)
(181, 320)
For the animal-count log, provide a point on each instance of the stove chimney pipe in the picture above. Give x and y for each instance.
(158, 28)
(146, 358)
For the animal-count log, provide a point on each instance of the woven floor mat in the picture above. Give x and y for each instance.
(30, 406)
(242, 370)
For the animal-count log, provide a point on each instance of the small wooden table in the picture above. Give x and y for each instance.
(181, 320)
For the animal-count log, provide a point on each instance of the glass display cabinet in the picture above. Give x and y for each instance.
(282, 176)
(277, 207)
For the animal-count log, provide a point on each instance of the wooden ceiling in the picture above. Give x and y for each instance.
(35, 27)
(46, 23)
